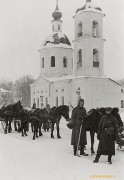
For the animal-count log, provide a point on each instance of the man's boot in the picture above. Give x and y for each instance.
(97, 158)
(110, 159)
(75, 150)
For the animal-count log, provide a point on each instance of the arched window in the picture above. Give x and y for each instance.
(122, 103)
(80, 29)
(53, 61)
(56, 101)
(46, 100)
(95, 58)
(53, 27)
(79, 63)
(43, 62)
(63, 100)
(37, 102)
(95, 29)
(58, 27)
(65, 62)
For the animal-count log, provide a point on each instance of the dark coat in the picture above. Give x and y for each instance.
(78, 116)
(106, 141)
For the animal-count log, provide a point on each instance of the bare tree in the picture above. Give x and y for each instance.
(22, 89)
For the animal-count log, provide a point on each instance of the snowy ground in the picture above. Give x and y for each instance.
(52, 159)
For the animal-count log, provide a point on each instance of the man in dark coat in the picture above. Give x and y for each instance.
(78, 131)
(107, 135)
(47, 116)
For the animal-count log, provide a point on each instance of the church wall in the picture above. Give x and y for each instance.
(87, 19)
(61, 89)
(39, 92)
(59, 54)
(103, 93)
(87, 45)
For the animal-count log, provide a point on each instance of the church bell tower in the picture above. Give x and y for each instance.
(89, 42)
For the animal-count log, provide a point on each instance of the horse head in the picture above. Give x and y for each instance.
(64, 111)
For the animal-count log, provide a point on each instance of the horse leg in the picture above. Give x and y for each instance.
(58, 134)
(22, 131)
(6, 125)
(52, 129)
(36, 130)
(92, 133)
(15, 126)
(40, 132)
(9, 127)
(33, 126)
(25, 128)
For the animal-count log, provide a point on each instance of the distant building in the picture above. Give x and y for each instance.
(67, 75)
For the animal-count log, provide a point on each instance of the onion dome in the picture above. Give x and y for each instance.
(57, 39)
(89, 6)
(57, 14)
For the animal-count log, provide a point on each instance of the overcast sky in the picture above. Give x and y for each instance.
(24, 24)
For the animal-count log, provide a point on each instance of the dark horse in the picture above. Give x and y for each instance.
(56, 113)
(92, 122)
(36, 117)
(10, 112)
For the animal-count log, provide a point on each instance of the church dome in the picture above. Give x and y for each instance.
(57, 14)
(89, 6)
(57, 39)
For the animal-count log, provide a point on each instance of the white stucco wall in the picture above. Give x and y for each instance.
(98, 92)
(59, 54)
(87, 43)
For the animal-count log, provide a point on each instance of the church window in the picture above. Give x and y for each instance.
(34, 100)
(58, 27)
(56, 101)
(41, 98)
(79, 63)
(53, 27)
(46, 100)
(38, 102)
(95, 58)
(95, 29)
(64, 62)
(80, 29)
(122, 90)
(43, 62)
(62, 90)
(122, 103)
(56, 90)
(53, 61)
(63, 100)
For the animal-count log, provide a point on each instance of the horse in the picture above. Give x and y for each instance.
(36, 117)
(55, 116)
(10, 112)
(92, 122)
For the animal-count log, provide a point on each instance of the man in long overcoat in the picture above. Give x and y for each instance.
(78, 116)
(46, 125)
(107, 135)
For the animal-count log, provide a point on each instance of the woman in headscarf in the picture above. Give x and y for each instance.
(78, 131)
(107, 135)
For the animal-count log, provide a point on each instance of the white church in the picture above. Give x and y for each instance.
(68, 74)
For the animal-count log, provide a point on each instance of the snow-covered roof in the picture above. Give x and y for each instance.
(56, 39)
(89, 6)
(71, 77)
